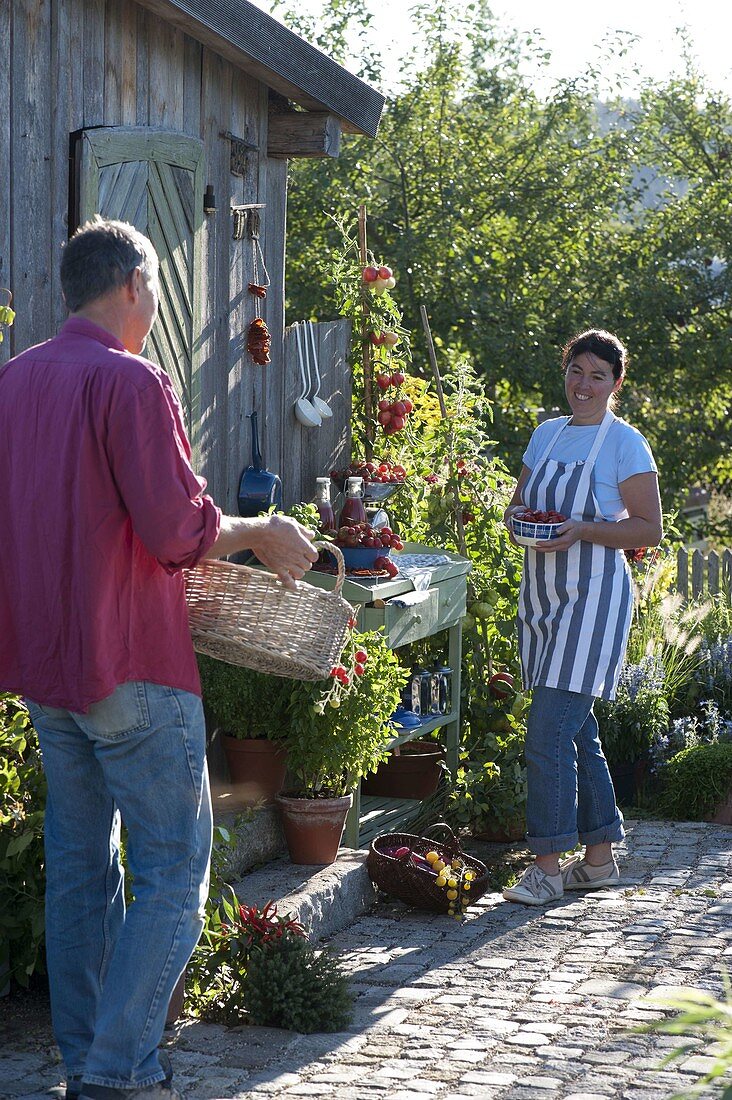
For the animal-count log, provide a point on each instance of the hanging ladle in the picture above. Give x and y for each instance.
(322, 406)
(305, 412)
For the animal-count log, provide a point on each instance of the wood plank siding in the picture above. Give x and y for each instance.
(74, 66)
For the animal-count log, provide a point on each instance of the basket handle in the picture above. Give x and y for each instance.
(452, 840)
(336, 552)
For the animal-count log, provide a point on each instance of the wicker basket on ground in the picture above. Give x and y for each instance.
(400, 878)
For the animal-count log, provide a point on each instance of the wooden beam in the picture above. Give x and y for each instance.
(265, 49)
(303, 134)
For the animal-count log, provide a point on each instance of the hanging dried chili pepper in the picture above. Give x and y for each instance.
(259, 342)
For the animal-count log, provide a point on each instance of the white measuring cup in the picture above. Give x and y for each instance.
(305, 412)
(322, 406)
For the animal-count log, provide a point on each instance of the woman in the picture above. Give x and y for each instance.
(574, 614)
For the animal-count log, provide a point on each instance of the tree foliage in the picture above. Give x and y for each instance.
(519, 219)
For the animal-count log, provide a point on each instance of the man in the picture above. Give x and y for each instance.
(101, 511)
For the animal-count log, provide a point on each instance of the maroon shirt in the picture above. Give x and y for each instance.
(99, 511)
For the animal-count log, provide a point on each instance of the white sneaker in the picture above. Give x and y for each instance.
(535, 887)
(578, 874)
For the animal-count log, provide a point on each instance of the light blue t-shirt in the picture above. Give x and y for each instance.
(624, 453)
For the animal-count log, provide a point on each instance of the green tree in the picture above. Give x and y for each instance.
(519, 219)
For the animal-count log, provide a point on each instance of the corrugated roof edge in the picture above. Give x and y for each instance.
(262, 45)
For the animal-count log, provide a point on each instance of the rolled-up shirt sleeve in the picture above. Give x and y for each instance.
(150, 457)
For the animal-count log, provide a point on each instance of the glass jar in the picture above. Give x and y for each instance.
(443, 675)
(353, 510)
(435, 683)
(323, 504)
(421, 693)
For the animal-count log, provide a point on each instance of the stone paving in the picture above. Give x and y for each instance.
(512, 1004)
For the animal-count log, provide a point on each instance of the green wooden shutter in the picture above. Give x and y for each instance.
(154, 180)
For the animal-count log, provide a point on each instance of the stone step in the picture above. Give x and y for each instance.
(324, 899)
(256, 837)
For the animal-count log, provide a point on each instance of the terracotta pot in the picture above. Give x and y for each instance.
(722, 812)
(413, 772)
(313, 827)
(257, 768)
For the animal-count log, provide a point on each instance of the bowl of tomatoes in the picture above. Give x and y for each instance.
(367, 547)
(532, 526)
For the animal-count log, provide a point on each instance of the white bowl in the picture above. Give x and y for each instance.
(528, 534)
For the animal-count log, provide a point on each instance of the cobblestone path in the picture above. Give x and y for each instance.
(513, 1003)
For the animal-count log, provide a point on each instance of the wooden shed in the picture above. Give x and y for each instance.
(178, 116)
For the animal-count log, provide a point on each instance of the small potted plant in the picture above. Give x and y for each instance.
(337, 733)
(249, 709)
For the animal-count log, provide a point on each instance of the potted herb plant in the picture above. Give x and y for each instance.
(337, 733)
(249, 709)
(697, 784)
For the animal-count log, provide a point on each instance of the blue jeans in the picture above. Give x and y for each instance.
(570, 796)
(138, 755)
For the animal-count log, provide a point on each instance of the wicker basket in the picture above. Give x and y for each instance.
(247, 617)
(416, 887)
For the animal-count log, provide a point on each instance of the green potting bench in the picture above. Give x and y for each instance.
(443, 577)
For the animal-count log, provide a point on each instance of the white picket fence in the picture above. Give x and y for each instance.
(699, 575)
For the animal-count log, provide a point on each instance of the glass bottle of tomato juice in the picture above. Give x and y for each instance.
(323, 504)
(353, 510)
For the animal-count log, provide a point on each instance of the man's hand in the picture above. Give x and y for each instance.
(280, 543)
(284, 546)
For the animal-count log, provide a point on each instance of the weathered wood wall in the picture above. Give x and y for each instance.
(75, 64)
(314, 452)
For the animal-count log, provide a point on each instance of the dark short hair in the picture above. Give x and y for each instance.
(101, 256)
(600, 343)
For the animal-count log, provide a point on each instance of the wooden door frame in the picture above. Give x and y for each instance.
(99, 147)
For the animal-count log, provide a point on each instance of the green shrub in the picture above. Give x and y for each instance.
(696, 780)
(218, 970)
(22, 875)
(489, 789)
(296, 986)
(254, 966)
(244, 703)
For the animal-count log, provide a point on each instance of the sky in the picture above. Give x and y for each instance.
(572, 29)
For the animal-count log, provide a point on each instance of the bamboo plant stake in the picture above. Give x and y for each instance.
(443, 412)
(486, 669)
(368, 400)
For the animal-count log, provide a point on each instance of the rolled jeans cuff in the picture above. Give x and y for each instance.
(547, 845)
(606, 834)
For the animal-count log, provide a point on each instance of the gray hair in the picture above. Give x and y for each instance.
(100, 257)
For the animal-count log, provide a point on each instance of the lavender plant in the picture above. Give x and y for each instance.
(638, 715)
(715, 672)
(707, 727)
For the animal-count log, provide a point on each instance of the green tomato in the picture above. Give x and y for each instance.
(481, 610)
(517, 706)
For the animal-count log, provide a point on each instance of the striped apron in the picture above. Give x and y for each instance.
(575, 606)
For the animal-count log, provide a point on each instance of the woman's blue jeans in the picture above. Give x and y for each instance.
(570, 796)
(138, 755)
